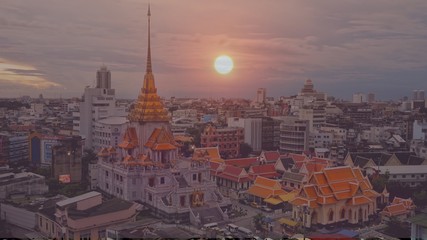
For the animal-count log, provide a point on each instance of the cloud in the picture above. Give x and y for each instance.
(274, 44)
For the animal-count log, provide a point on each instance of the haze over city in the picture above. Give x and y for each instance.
(53, 47)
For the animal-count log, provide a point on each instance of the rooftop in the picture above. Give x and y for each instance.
(77, 198)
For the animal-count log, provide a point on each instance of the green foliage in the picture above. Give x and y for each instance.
(420, 198)
(379, 182)
(196, 134)
(397, 228)
(257, 220)
(244, 150)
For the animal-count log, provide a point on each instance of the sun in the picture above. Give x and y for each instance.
(223, 64)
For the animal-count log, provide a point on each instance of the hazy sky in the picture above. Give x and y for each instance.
(54, 47)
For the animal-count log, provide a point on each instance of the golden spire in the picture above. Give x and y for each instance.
(149, 69)
(149, 107)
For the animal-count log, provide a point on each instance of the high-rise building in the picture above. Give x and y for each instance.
(359, 97)
(103, 78)
(261, 95)
(294, 135)
(371, 97)
(67, 159)
(98, 103)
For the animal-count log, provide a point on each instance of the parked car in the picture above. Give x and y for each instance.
(254, 204)
(266, 209)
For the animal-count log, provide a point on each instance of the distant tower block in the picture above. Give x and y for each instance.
(371, 97)
(260, 95)
(103, 78)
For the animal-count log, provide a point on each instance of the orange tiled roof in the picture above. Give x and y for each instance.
(103, 152)
(212, 153)
(319, 179)
(326, 200)
(161, 139)
(358, 200)
(339, 173)
(408, 203)
(325, 190)
(266, 182)
(394, 210)
(260, 191)
(337, 184)
(310, 191)
(130, 139)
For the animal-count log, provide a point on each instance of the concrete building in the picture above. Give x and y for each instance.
(419, 225)
(359, 98)
(227, 139)
(294, 135)
(315, 115)
(23, 184)
(98, 103)
(261, 95)
(252, 130)
(14, 147)
(67, 159)
(410, 175)
(40, 152)
(86, 216)
(107, 131)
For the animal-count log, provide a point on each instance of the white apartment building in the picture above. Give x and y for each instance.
(294, 135)
(359, 97)
(252, 130)
(106, 132)
(98, 103)
(315, 115)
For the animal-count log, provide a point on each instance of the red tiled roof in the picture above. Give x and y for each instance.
(233, 171)
(314, 167)
(259, 169)
(130, 139)
(241, 162)
(271, 155)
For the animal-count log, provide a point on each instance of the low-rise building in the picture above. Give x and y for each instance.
(84, 216)
(227, 139)
(25, 184)
(333, 195)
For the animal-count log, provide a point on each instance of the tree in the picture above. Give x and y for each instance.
(245, 149)
(397, 228)
(379, 182)
(420, 198)
(257, 220)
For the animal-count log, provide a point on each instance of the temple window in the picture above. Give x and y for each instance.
(162, 180)
(331, 215)
(342, 213)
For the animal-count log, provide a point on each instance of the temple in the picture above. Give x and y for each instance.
(146, 166)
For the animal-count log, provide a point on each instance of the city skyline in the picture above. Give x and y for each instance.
(343, 47)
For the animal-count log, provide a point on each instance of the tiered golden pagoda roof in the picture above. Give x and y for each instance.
(149, 107)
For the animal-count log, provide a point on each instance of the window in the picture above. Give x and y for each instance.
(342, 213)
(162, 180)
(150, 197)
(117, 190)
(403, 176)
(331, 215)
(194, 177)
(106, 185)
(121, 191)
(413, 175)
(106, 173)
(121, 178)
(40, 221)
(117, 177)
